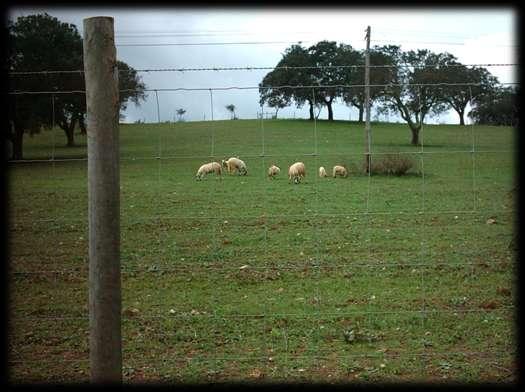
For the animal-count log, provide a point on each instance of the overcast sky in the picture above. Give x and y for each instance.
(474, 35)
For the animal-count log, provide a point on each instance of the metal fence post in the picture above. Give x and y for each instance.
(102, 100)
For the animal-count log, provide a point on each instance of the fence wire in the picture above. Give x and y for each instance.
(257, 68)
(320, 263)
(281, 87)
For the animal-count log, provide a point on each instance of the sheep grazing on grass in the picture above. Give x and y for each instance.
(273, 171)
(322, 172)
(235, 164)
(207, 168)
(296, 172)
(339, 171)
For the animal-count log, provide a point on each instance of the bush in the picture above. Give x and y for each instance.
(391, 164)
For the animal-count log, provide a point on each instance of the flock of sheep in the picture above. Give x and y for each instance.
(296, 172)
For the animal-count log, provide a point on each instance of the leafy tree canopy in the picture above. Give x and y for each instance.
(44, 43)
(497, 107)
(412, 90)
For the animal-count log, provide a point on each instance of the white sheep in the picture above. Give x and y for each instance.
(207, 168)
(273, 171)
(322, 172)
(235, 164)
(296, 172)
(339, 171)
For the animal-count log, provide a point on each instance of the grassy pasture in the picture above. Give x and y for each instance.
(388, 279)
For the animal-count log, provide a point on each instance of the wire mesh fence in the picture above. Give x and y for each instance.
(370, 277)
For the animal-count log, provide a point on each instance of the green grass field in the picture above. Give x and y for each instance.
(368, 278)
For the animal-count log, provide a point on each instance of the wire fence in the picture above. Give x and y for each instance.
(252, 68)
(421, 263)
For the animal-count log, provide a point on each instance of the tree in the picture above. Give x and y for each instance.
(354, 74)
(268, 87)
(409, 91)
(231, 108)
(38, 43)
(272, 96)
(43, 43)
(131, 86)
(458, 97)
(318, 65)
(180, 113)
(72, 109)
(271, 86)
(497, 107)
(324, 56)
(379, 75)
(278, 102)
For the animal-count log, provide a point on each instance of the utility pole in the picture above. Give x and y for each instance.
(367, 101)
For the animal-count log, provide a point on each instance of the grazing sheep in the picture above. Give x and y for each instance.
(322, 172)
(339, 171)
(233, 164)
(296, 171)
(207, 168)
(273, 171)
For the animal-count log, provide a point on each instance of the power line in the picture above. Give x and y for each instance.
(216, 43)
(301, 41)
(425, 32)
(441, 43)
(440, 35)
(201, 34)
(212, 31)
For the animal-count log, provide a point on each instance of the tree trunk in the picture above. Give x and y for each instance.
(18, 142)
(361, 111)
(328, 104)
(70, 132)
(311, 111)
(461, 118)
(415, 135)
(330, 111)
(82, 124)
(8, 149)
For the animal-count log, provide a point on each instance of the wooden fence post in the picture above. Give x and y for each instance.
(102, 100)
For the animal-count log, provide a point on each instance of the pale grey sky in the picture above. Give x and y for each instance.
(474, 35)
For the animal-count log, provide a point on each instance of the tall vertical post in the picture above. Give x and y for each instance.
(367, 101)
(102, 100)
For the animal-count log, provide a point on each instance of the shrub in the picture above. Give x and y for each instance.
(391, 164)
